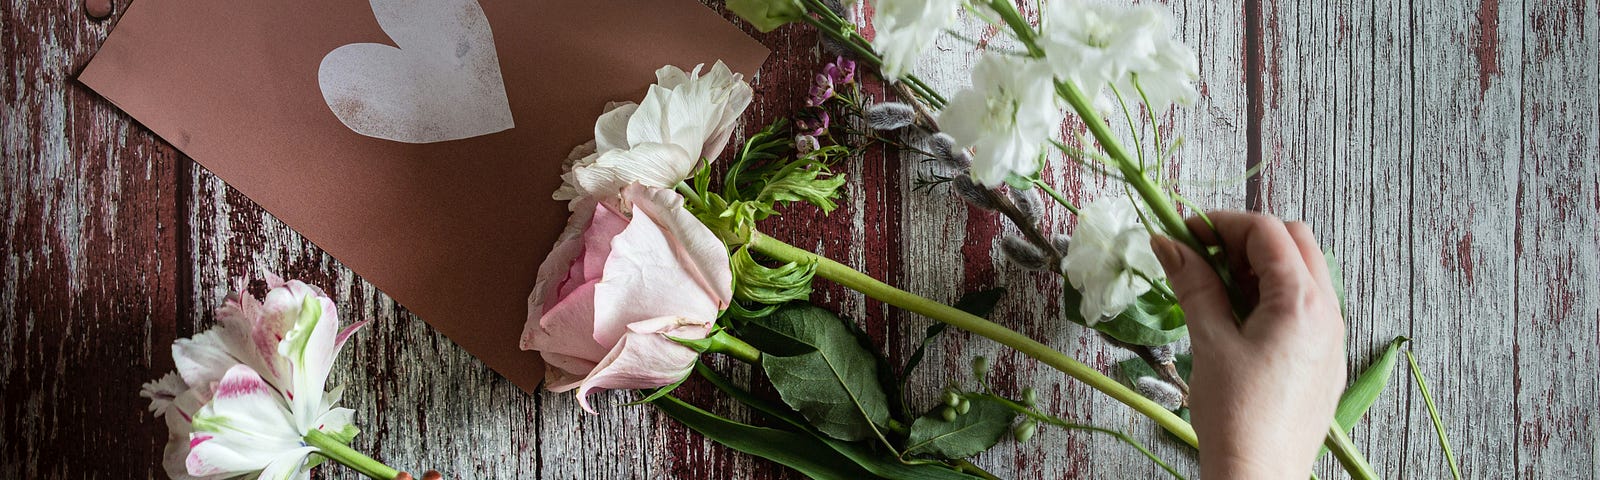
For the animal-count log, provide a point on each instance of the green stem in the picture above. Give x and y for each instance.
(1433, 413)
(329, 447)
(843, 275)
(1343, 449)
(732, 346)
(1025, 410)
(1039, 182)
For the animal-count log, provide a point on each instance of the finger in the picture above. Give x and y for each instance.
(1316, 262)
(432, 475)
(1200, 292)
(1268, 250)
(403, 476)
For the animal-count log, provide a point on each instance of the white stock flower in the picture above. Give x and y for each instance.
(1095, 44)
(684, 118)
(1007, 114)
(906, 28)
(247, 391)
(1109, 258)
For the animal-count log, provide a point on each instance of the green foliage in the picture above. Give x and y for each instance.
(766, 174)
(833, 382)
(799, 451)
(874, 460)
(1363, 392)
(768, 15)
(1154, 319)
(754, 282)
(982, 426)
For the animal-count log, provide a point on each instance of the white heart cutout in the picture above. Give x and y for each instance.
(442, 82)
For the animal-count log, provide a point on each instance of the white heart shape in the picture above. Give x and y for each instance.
(442, 83)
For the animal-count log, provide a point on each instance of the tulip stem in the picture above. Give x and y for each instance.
(848, 277)
(337, 451)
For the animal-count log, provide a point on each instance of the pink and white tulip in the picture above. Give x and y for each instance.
(247, 391)
(629, 271)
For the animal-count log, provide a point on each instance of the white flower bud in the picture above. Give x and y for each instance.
(1159, 391)
(1023, 253)
(890, 116)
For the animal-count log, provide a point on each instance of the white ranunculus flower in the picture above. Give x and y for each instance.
(906, 28)
(1095, 44)
(1109, 258)
(1007, 114)
(684, 118)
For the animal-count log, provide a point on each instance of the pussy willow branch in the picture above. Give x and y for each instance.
(1338, 443)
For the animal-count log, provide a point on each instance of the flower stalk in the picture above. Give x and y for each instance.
(330, 447)
(850, 278)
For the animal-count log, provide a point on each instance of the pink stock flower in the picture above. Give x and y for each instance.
(246, 391)
(841, 71)
(629, 271)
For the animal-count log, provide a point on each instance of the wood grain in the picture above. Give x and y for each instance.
(90, 268)
(1444, 150)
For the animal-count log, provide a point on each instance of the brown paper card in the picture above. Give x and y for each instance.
(453, 230)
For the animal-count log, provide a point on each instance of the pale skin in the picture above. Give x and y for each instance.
(1264, 388)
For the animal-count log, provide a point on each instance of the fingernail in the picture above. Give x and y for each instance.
(432, 475)
(403, 476)
(1167, 253)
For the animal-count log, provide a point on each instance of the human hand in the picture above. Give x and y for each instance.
(1263, 391)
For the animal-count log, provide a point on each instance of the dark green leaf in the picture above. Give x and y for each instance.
(835, 385)
(877, 461)
(980, 428)
(1152, 320)
(799, 451)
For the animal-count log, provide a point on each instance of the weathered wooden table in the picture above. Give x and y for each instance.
(1444, 149)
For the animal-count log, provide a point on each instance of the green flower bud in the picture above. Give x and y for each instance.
(948, 414)
(980, 367)
(951, 399)
(964, 406)
(1024, 431)
(1030, 397)
(767, 15)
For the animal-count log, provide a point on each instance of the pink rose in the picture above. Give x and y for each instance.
(629, 271)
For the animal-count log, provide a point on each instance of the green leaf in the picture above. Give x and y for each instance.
(767, 15)
(835, 385)
(807, 181)
(980, 428)
(873, 460)
(1363, 392)
(754, 282)
(1152, 320)
(795, 450)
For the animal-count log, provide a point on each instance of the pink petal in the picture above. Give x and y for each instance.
(703, 255)
(645, 357)
(203, 359)
(555, 266)
(568, 328)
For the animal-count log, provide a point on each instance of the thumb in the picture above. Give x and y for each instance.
(1200, 293)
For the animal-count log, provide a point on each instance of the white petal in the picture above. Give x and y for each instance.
(611, 130)
(653, 164)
